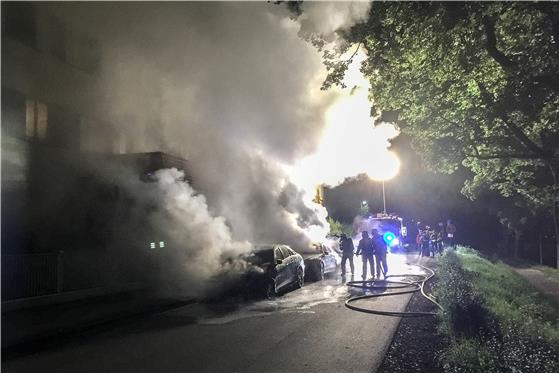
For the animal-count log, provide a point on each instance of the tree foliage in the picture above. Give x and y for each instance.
(473, 84)
(338, 228)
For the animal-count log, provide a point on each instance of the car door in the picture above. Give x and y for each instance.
(291, 264)
(329, 260)
(297, 261)
(282, 270)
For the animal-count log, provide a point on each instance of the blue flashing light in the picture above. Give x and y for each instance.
(389, 238)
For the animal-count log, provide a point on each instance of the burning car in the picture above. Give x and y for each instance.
(273, 269)
(324, 262)
(269, 270)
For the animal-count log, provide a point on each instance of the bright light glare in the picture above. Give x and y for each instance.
(387, 166)
(350, 144)
(389, 237)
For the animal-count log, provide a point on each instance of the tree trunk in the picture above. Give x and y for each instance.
(555, 209)
(540, 246)
(516, 243)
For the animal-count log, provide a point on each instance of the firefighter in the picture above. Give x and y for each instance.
(380, 253)
(450, 233)
(424, 239)
(366, 248)
(432, 241)
(419, 240)
(440, 237)
(346, 244)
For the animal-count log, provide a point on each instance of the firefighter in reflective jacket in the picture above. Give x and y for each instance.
(346, 244)
(380, 253)
(366, 248)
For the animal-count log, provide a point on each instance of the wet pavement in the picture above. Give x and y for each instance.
(308, 329)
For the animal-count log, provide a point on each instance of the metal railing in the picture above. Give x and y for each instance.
(30, 275)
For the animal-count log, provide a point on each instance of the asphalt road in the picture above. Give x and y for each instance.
(305, 330)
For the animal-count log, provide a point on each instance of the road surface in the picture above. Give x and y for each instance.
(305, 330)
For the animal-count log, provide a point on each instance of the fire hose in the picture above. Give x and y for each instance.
(415, 285)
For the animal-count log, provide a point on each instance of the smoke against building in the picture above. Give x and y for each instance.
(194, 80)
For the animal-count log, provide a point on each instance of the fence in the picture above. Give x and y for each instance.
(30, 275)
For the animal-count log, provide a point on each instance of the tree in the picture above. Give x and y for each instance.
(473, 84)
(338, 228)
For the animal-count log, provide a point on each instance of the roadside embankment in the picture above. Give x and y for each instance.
(495, 320)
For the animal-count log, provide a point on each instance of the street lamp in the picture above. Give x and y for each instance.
(388, 167)
(383, 199)
(364, 208)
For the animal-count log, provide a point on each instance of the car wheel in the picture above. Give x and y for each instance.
(270, 291)
(300, 278)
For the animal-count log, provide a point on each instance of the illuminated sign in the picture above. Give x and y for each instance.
(153, 245)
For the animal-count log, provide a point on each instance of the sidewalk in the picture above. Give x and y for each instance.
(46, 321)
(540, 280)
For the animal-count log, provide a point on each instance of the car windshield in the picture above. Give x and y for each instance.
(261, 256)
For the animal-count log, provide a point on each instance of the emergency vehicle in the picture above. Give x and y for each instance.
(390, 227)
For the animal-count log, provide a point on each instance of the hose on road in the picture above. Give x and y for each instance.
(407, 286)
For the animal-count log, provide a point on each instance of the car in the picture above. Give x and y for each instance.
(324, 262)
(274, 269)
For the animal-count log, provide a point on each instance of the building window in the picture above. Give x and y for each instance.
(42, 120)
(30, 118)
(36, 119)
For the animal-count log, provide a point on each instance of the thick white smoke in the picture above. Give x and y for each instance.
(326, 18)
(200, 244)
(234, 89)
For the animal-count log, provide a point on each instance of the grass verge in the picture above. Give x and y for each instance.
(496, 321)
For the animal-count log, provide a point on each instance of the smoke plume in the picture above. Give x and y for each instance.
(232, 88)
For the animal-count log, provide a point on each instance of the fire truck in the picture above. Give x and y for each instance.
(391, 227)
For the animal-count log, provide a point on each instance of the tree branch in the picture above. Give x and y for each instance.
(354, 53)
(491, 45)
(516, 131)
(524, 139)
